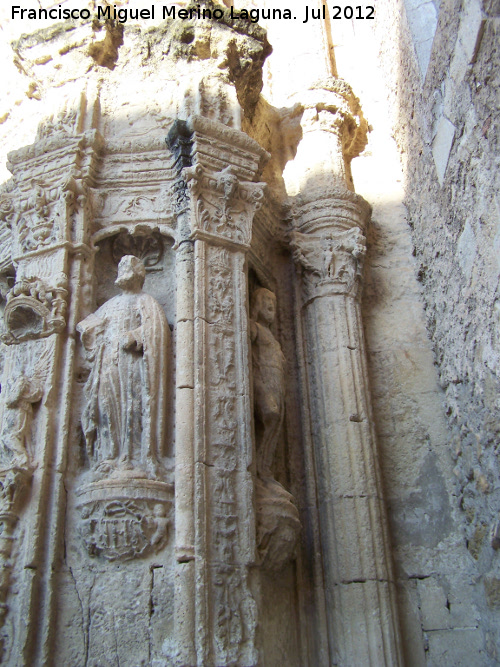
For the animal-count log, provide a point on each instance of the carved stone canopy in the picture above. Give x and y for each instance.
(35, 309)
(146, 246)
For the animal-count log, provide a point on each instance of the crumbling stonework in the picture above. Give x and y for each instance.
(224, 436)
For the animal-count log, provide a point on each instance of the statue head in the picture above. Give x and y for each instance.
(263, 306)
(131, 274)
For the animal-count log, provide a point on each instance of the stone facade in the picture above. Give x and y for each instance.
(226, 438)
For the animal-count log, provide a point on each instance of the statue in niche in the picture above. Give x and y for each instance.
(268, 363)
(126, 340)
(278, 523)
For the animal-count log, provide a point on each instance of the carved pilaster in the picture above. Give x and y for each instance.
(49, 211)
(225, 535)
(214, 481)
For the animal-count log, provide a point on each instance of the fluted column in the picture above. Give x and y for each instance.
(328, 239)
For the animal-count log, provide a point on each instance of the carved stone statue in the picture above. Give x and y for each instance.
(278, 524)
(21, 395)
(126, 340)
(268, 380)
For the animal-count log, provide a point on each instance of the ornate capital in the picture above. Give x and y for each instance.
(331, 263)
(222, 206)
(331, 106)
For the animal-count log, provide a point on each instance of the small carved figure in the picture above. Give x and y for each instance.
(126, 339)
(268, 364)
(21, 395)
(333, 259)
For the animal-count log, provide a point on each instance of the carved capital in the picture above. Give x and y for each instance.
(331, 106)
(38, 217)
(331, 263)
(222, 206)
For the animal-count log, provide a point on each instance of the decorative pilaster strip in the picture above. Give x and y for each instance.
(50, 219)
(222, 210)
(179, 141)
(215, 201)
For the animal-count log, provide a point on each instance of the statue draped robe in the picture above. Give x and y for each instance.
(125, 412)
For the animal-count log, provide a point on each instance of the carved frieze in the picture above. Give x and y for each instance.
(132, 204)
(331, 263)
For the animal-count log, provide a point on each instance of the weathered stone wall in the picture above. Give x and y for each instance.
(445, 121)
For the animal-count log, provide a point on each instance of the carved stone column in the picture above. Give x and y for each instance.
(329, 246)
(215, 519)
